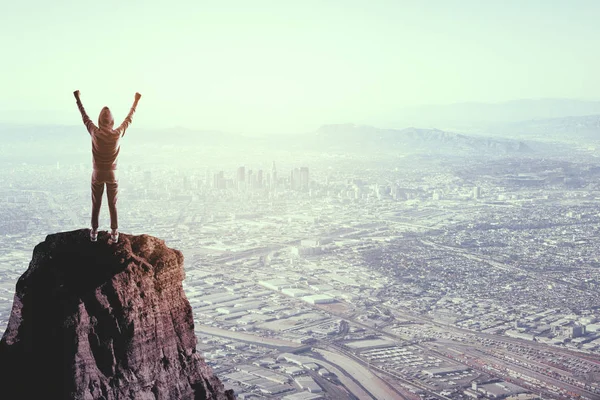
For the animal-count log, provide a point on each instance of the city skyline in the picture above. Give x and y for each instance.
(332, 200)
(430, 275)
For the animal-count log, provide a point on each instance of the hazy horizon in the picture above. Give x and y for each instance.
(274, 67)
(373, 200)
(463, 115)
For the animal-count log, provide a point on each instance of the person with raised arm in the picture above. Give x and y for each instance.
(106, 144)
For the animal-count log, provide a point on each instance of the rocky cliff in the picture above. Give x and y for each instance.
(103, 321)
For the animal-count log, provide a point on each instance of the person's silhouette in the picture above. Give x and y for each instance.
(105, 150)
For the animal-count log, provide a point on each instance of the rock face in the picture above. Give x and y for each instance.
(103, 321)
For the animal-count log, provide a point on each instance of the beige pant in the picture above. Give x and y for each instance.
(99, 179)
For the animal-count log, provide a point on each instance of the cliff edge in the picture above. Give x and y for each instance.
(103, 321)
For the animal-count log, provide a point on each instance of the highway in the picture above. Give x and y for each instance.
(349, 383)
(378, 388)
(350, 356)
(477, 347)
(374, 384)
(284, 345)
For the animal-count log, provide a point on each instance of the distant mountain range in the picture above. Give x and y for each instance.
(575, 128)
(517, 138)
(43, 144)
(466, 116)
(43, 134)
(412, 140)
(74, 140)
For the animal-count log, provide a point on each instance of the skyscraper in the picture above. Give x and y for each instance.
(304, 179)
(241, 178)
(295, 179)
(250, 182)
(219, 180)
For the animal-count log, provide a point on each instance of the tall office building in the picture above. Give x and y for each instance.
(476, 192)
(241, 174)
(241, 177)
(250, 179)
(274, 176)
(219, 180)
(295, 179)
(304, 179)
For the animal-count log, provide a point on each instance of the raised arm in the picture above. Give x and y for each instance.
(89, 124)
(121, 129)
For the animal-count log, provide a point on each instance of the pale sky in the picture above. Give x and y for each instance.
(274, 66)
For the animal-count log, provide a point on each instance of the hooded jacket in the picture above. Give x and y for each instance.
(106, 141)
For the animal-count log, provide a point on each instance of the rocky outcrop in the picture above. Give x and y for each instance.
(103, 321)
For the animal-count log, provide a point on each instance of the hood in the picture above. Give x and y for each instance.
(106, 120)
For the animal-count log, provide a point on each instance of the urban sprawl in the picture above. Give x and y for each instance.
(346, 278)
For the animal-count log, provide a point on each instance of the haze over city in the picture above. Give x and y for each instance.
(279, 67)
(374, 200)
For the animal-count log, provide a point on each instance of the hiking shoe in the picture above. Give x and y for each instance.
(114, 236)
(94, 235)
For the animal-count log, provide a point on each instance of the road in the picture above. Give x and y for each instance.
(246, 337)
(491, 359)
(477, 347)
(347, 381)
(374, 384)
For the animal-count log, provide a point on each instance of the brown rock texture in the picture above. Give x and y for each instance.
(103, 321)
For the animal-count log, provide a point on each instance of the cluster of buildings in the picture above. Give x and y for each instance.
(253, 180)
(402, 270)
